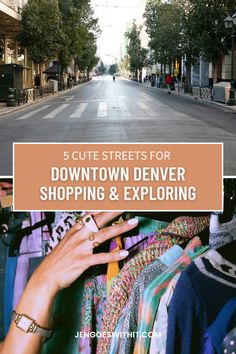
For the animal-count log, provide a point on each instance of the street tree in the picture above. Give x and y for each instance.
(113, 69)
(87, 58)
(101, 68)
(137, 54)
(41, 29)
(77, 23)
(124, 67)
(163, 22)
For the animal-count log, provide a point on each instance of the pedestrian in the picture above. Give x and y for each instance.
(37, 80)
(160, 80)
(114, 77)
(169, 81)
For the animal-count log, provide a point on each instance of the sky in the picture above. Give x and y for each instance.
(113, 16)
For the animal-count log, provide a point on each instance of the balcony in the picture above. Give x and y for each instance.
(10, 18)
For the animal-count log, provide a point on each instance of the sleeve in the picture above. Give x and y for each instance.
(185, 319)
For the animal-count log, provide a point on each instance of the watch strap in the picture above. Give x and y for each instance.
(33, 327)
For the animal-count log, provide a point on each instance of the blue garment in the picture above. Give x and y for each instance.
(3, 256)
(10, 272)
(224, 323)
(199, 296)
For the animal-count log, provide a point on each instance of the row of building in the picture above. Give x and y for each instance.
(16, 69)
(203, 74)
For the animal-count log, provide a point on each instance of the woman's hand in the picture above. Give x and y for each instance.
(70, 258)
(74, 254)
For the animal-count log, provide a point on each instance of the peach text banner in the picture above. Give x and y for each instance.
(118, 176)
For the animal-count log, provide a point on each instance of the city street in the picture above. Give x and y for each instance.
(103, 111)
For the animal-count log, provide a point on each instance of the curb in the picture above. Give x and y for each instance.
(233, 108)
(59, 93)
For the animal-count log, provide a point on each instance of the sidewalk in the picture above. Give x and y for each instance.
(4, 110)
(148, 85)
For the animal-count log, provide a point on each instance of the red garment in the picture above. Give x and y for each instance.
(169, 80)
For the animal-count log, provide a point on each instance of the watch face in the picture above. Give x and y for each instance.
(24, 323)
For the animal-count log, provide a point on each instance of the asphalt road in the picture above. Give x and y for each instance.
(103, 111)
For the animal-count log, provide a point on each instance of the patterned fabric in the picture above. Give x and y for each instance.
(199, 296)
(229, 343)
(64, 222)
(122, 286)
(223, 324)
(94, 297)
(158, 341)
(150, 272)
(221, 234)
(149, 303)
(184, 228)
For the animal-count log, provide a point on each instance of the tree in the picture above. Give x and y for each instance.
(87, 59)
(58, 28)
(124, 67)
(205, 24)
(41, 29)
(137, 54)
(163, 22)
(113, 69)
(77, 25)
(101, 69)
(192, 28)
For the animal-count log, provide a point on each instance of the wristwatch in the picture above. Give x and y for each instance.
(28, 325)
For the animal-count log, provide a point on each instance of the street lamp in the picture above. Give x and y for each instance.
(230, 23)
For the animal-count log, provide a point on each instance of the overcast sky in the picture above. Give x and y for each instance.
(113, 16)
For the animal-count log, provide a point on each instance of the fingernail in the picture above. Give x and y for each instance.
(132, 221)
(124, 254)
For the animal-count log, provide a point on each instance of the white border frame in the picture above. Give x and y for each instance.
(126, 143)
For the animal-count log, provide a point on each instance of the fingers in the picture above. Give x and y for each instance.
(103, 258)
(101, 219)
(115, 230)
(105, 217)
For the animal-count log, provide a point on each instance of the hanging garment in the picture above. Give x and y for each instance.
(229, 343)
(130, 313)
(221, 234)
(10, 273)
(3, 256)
(94, 297)
(122, 285)
(185, 226)
(159, 339)
(113, 267)
(200, 294)
(150, 301)
(65, 221)
(31, 246)
(223, 324)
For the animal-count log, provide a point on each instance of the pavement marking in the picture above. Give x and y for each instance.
(35, 111)
(123, 108)
(147, 110)
(102, 109)
(70, 98)
(56, 111)
(79, 110)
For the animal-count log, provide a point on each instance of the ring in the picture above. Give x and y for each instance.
(95, 244)
(90, 223)
(79, 221)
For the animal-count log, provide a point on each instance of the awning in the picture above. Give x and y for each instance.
(52, 70)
